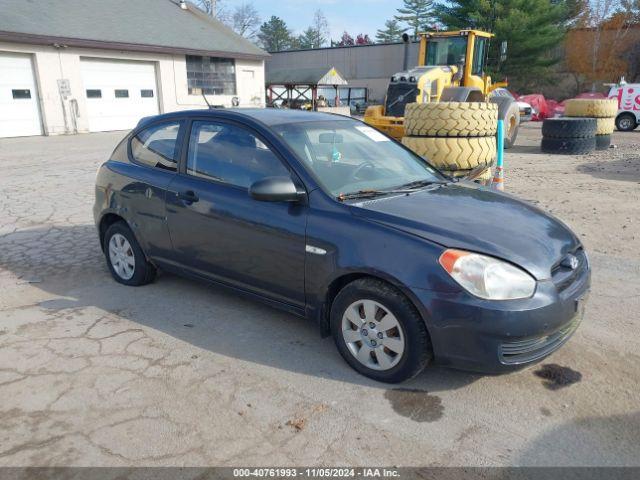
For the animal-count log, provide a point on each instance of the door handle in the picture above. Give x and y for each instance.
(188, 197)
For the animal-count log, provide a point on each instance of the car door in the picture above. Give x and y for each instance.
(219, 231)
(153, 152)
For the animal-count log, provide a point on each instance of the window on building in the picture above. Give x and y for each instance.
(94, 93)
(122, 93)
(230, 154)
(211, 75)
(157, 146)
(146, 93)
(21, 94)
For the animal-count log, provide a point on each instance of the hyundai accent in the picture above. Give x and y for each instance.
(329, 219)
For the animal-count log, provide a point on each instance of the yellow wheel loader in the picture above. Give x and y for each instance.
(451, 68)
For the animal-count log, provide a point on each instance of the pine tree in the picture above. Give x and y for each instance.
(274, 35)
(417, 14)
(391, 33)
(533, 29)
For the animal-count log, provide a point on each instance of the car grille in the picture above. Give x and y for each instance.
(564, 276)
(535, 348)
(395, 106)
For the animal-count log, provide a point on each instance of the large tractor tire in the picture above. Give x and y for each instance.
(605, 126)
(509, 112)
(591, 107)
(568, 146)
(569, 127)
(451, 119)
(454, 153)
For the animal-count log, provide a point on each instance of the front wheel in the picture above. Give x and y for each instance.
(378, 331)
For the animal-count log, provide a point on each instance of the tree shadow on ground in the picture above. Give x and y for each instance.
(205, 316)
(625, 169)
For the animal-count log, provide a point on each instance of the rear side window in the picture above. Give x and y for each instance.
(157, 146)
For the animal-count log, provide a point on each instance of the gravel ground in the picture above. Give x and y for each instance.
(178, 373)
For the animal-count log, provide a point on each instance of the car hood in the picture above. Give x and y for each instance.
(465, 216)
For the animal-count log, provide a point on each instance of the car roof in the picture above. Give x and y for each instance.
(267, 116)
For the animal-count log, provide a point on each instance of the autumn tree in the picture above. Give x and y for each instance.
(346, 40)
(363, 39)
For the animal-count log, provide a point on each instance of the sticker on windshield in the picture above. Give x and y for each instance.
(373, 134)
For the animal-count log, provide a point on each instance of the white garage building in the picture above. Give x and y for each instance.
(70, 66)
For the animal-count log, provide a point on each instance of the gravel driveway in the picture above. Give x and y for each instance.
(179, 373)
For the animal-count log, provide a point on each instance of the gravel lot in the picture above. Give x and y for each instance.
(178, 373)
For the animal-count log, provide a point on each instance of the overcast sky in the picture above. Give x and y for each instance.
(354, 16)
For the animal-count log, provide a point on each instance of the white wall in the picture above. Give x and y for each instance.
(59, 115)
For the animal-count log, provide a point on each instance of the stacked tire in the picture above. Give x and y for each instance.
(603, 110)
(569, 136)
(456, 137)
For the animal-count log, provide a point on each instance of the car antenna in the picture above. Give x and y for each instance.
(205, 100)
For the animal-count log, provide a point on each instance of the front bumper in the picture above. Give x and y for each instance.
(501, 336)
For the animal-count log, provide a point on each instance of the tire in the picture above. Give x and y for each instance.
(568, 146)
(449, 153)
(508, 111)
(451, 119)
(511, 125)
(603, 142)
(409, 329)
(142, 271)
(626, 122)
(605, 126)
(590, 107)
(569, 127)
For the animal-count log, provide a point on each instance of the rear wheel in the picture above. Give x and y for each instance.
(625, 122)
(378, 331)
(125, 259)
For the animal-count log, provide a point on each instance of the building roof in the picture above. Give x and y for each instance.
(305, 76)
(136, 25)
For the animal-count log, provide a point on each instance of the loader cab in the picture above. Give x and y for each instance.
(464, 49)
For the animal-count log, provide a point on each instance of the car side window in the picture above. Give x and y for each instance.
(157, 146)
(230, 154)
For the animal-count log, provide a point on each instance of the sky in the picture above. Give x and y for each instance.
(353, 16)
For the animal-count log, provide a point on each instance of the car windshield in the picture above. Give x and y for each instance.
(348, 157)
(446, 51)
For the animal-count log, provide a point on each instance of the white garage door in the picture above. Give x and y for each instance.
(19, 111)
(118, 93)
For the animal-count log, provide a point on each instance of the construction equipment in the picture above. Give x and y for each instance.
(451, 68)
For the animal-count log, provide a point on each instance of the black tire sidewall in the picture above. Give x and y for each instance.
(632, 117)
(141, 270)
(417, 347)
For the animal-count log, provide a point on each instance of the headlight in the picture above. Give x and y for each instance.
(487, 277)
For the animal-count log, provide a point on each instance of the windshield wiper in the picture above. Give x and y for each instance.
(420, 183)
(369, 194)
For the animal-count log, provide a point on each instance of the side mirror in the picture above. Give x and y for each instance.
(276, 189)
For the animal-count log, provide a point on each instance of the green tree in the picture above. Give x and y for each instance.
(392, 32)
(533, 30)
(274, 35)
(417, 14)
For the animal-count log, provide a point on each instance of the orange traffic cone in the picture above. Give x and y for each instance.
(498, 180)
